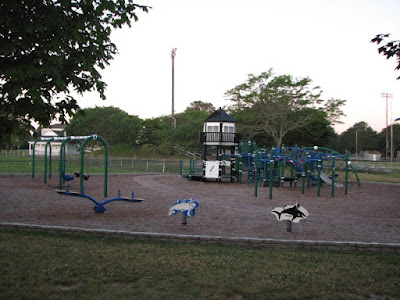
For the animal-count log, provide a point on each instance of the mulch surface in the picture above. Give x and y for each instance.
(369, 213)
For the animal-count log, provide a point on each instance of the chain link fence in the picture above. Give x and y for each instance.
(16, 162)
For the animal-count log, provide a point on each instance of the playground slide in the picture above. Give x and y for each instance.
(327, 180)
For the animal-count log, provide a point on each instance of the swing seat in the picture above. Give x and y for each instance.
(131, 199)
(85, 176)
(67, 177)
(68, 192)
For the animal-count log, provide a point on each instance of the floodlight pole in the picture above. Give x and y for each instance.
(173, 54)
(395, 120)
(391, 133)
(386, 95)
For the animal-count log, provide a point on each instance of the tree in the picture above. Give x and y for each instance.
(158, 132)
(201, 106)
(275, 105)
(48, 48)
(359, 137)
(14, 129)
(317, 132)
(390, 49)
(19, 137)
(393, 130)
(113, 124)
(188, 126)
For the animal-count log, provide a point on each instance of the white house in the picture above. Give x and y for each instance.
(372, 155)
(54, 131)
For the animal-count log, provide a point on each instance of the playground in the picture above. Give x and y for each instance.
(365, 214)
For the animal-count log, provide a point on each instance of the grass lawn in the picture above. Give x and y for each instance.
(93, 165)
(38, 265)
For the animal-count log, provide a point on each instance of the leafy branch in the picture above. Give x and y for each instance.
(390, 49)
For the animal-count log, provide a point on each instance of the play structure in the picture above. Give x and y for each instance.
(99, 206)
(305, 167)
(226, 158)
(63, 176)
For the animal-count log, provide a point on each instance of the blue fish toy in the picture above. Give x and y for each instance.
(186, 206)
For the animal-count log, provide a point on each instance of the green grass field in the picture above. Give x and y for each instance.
(93, 165)
(38, 265)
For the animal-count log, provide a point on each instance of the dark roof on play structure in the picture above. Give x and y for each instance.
(220, 116)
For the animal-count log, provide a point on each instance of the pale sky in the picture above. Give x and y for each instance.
(220, 42)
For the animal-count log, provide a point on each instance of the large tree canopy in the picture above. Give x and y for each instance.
(113, 124)
(49, 48)
(390, 49)
(276, 105)
(159, 133)
(201, 106)
(358, 138)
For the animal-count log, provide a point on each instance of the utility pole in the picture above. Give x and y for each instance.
(391, 134)
(386, 95)
(173, 53)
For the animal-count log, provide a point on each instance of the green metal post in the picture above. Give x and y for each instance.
(62, 162)
(50, 161)
(319, 168)
(82, 168)
(265, 171)
(105, 167)
(240, 166)
(296, 157)
(190, 169)
(82, 171)
(333, 176)
(303, 174)
(33, 158)
(45, 159)
(256, 174)
(282, 165)
(346, 173)
(236, 170)
(355, 173)
(45, 164)
(309, 162)
(271, 172)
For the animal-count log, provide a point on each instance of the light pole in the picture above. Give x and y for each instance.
(173, 53)
(386, 95)
(391, 133)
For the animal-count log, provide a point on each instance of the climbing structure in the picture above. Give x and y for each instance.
(219, 139)
(225, 157)
(277, 167)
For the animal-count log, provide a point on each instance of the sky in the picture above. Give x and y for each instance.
(220, 42)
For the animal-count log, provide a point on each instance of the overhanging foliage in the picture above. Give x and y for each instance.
(49, 48)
